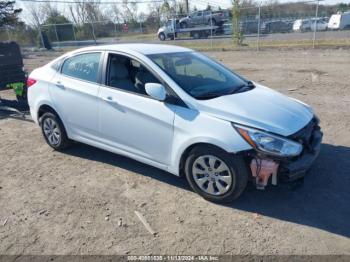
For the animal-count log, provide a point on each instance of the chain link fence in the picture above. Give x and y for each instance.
(275, 25)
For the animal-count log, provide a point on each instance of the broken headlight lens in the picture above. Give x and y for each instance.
(268, 143)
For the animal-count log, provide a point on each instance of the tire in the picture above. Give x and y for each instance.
(235, 171)
(54, 132)
(196, 35)
(183, 25)
(161, 36)
(212, 22)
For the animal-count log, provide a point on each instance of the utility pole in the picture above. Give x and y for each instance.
(259, 21)
(315, 24)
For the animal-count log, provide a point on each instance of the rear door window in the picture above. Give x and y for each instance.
(83, 66)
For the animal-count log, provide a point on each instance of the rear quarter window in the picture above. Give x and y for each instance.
(83, 66)
(57, 65)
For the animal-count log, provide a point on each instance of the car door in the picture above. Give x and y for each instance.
(74, 93)
(206, 17)
(197, 18)
(129, 119)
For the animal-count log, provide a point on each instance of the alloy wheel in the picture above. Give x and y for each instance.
(212, 175)
(52, 131)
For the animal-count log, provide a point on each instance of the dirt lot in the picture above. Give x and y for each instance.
(72, 202)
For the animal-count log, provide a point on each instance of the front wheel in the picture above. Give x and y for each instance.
(215, 174)
(161, 37)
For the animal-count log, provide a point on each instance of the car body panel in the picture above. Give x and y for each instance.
(262, 108)
(141, 126)
(78, 103)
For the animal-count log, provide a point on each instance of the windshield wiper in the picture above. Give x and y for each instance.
(245, 87)
(208, 95)
(249, 85)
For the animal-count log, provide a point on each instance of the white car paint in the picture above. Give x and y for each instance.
(339, 21)
(152, 131)
(321, 25)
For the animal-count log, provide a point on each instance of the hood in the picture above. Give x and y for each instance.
(262, 108)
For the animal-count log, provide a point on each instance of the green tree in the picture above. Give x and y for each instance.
(342, 7)
(8, 13)
(56, 18)
(236, 15)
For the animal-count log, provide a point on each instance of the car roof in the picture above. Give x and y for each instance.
(145, 49)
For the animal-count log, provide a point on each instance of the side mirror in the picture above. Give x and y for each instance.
(156, 91)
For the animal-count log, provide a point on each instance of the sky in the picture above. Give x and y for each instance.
(200, 4)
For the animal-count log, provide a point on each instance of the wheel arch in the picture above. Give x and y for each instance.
(185, 153)
(44, 108)
(212, 19)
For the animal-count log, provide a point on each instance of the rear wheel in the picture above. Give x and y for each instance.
(54, 131)
(215, 174)
(196, 35)
(212, 22)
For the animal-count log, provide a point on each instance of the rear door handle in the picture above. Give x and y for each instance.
(108, 99)
(60, 85)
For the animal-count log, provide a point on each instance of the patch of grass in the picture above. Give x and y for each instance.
(227, 45)
(131, 36)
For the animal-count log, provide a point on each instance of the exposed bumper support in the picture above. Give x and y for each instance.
(296, 169)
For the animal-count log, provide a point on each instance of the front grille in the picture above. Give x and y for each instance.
(305, 135)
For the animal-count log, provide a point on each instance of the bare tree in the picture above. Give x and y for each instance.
(156, 12)
(87, 11)
(130, 11)
(37, 14)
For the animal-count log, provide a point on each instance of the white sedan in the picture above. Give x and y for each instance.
(177, 110)
(320, 24)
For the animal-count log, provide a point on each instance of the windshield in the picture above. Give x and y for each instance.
(200, 76)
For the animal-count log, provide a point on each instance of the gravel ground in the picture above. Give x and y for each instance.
(83, 201)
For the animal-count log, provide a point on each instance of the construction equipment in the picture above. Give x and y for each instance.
(12, 74)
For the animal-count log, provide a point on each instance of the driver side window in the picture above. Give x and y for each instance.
(128, 74)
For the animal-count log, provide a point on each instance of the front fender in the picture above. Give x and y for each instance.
(191, 127)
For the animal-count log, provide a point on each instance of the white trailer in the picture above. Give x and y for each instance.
(339, 21)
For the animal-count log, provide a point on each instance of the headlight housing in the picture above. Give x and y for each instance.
(268, 143)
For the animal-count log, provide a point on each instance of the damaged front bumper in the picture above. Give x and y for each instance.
(296, 168)
(288, 169)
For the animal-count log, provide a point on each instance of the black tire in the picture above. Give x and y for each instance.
(161, 36)
(196, 35)
(236, 165)
(63, 140)
(212, 22)
(183, 25)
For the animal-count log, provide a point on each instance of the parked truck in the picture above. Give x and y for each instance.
(171, 30)
(205, 17)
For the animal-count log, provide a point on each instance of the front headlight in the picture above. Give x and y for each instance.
(268, 143)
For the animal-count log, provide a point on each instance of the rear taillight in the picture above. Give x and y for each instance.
(30, 82)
